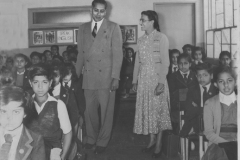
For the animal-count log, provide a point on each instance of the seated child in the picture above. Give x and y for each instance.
(35, 58)
(65, 56)
(224, 60)
(55, 50)
(198, 55)
(220, 119)
(196, 97)
(57, 58)
(9, 63)
(50, 118)
(16, 141)
(174, 53)
(188, 48)
(179, 83)
(48, 54)
(20, 75)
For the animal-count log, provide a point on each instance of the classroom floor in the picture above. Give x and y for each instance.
(124, 144)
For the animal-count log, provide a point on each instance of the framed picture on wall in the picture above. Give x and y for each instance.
(75, 35)
(50, 37)
(65, 36)
(37, 37)
(129, 33)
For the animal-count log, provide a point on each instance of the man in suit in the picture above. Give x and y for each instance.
(100, 58)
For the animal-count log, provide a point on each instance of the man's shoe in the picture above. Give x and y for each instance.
(99, 150)
(88, 146)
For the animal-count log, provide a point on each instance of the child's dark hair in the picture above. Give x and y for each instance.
(33, 54)
(184, 56)
(56, 66)
(55, 46)
(172, 51)
(67, 69)
(226, 69)
(44, 53)
(131, 49)
(9, 59)
(40, 70)
(202, 51)
(22, 56)
(13, 93)
(225, 53)
(69, 47)
(72, 51)
(204, 66)
(187, 46)
(6, 77)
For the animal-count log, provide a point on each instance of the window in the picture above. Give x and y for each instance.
(221, 28)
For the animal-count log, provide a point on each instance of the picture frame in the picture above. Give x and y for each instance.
(52, 36)
(75, 35)
(129, 33)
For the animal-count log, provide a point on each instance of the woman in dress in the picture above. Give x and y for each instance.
(149, 80)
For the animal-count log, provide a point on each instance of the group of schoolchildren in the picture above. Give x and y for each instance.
(194, 85)
(41, 106)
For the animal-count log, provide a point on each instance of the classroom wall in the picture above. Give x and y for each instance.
(14, 19)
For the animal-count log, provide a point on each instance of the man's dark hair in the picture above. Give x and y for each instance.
(94, 2)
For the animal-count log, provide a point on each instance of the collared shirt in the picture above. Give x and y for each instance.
(21, 73)
(56, 90)
(227, 99)
(98, 24)
(202, 90)
(174, 66)
(62, 113)
(16, 134)
(197, 62)
(184, 73)
(68, 83)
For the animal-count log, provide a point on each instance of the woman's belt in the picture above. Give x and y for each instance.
(228, 129)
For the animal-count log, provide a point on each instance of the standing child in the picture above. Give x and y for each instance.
(198, 55)
(197, 96)
(220, 119)
(55, 50)
(173, 67)
(188, 48)
(52, 117)
(179, 83)
(16, 141)
(20, 74)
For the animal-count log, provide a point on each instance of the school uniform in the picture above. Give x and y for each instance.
(172, 69)
(26, 145)
(51, 122)
(68, 96)
(21, 80)
(196, 98)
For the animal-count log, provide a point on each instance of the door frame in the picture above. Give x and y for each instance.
(194, 16)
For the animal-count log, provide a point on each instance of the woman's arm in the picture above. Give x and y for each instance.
(209, 118)
(136, 68)
(67, 138)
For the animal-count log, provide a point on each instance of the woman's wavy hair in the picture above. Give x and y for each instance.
(152, 15)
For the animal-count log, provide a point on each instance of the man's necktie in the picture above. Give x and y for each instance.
(185, 77)
(5, 148)
(205, 95)
(94, 31)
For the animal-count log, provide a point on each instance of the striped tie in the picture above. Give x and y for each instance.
(94, 32)
(6, 147)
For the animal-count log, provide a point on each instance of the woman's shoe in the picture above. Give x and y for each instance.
(148, 149)
(156, 155)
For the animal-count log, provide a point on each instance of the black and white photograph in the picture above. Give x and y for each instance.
(119, 79)
(37, 37)
(49, 37)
